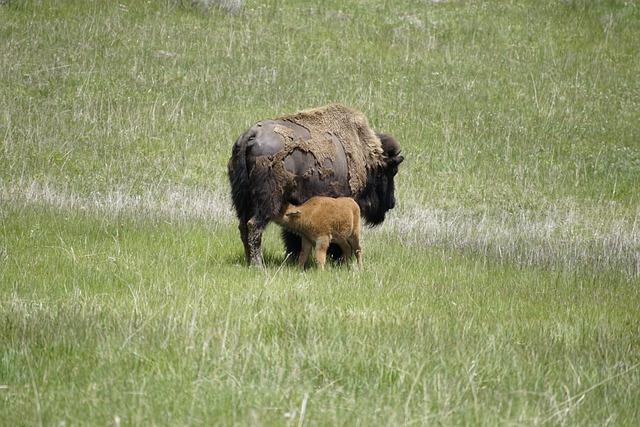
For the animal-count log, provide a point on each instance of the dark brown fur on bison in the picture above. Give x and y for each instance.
(326, 151)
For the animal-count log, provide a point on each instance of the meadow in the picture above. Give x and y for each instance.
(504, 289)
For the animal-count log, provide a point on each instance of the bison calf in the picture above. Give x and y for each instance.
(323, 220)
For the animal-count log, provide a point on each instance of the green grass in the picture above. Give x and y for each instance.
(503, 289)
(159, 322)
(498, 104)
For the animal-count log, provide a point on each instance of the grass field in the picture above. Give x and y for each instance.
(504, 288)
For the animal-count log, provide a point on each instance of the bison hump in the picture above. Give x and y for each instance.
(333, 125)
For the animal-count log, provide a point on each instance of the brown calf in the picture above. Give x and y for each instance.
(322, 220)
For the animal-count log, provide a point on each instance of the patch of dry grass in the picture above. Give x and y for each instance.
(177, 202)
(565, 238)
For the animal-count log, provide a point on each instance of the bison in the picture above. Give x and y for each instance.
(322, 220)
(325, 151)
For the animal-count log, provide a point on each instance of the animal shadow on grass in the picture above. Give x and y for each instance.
(269, 259)
(275, 260)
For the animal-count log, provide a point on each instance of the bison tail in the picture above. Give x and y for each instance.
(239, 177)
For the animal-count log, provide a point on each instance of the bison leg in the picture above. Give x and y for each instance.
(345, 248)
(322, 244)
(255, 227)
(292, 244)
(335, 252)
(244, 235)
(304, 252)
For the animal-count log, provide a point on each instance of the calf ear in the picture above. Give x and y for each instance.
(293, 214)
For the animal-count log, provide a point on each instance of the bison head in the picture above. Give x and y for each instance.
(378, 195)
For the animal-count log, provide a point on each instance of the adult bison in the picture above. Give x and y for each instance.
(325, 151)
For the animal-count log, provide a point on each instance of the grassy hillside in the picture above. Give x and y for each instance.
(498, 105)
(503, 289)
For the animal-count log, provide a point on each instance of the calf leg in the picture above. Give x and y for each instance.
(322, 244)
(354, 241)
(293, 246)
(355, 238)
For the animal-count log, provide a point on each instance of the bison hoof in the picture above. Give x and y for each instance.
(256, 261)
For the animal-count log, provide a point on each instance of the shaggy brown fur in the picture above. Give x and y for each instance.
(348, 126)
(323, 220)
